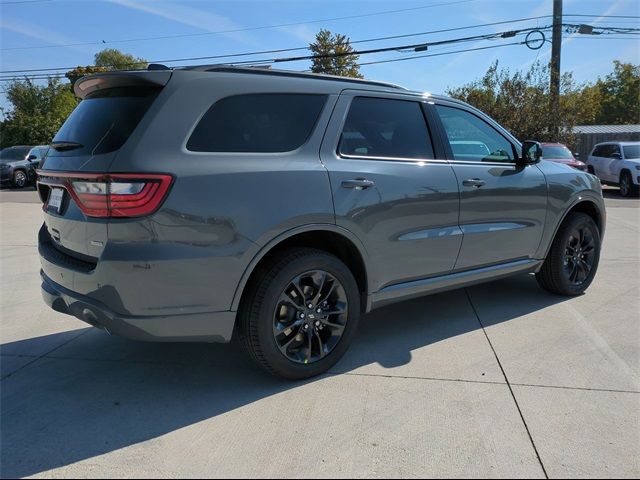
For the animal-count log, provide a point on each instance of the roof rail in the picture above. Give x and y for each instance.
(266, 70)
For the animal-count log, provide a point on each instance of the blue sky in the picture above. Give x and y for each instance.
(47, 23)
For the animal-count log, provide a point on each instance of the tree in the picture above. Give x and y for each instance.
(620, 92)
(79, 72)
(107, 60)
(332, 52)
(37, 114)
(519, 102)
(114, 59)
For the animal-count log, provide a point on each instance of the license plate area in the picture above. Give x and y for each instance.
(55, 199)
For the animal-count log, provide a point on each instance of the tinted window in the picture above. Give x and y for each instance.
(631, 151)
(14, 153)
(615, 150)
(602, 151)
(556, 151)
(377, 127)
(103, 121)
(473, 139)
(258, 123)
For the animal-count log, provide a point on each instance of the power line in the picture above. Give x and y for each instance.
(492, 36)
(247, 29)
(283, 50)
(23, 1)
(365, 63)
(413, 57)
(602, 16)
(396, 48)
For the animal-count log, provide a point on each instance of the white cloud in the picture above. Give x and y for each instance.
(39, 33)
(193, 17)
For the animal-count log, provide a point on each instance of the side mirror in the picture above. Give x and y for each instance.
(531, 152)
(31, 158)
(616, 156)
(576, 154)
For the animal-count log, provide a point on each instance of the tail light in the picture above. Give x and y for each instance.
(117, 195)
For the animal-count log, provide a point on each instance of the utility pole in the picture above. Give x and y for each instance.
(556, 44)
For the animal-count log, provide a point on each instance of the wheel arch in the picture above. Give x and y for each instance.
(581, 205)
(331, 238)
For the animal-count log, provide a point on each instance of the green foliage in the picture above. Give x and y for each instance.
(37, 114)
(114, 59)
(520, 101)
(620, 95)
(107, 60)
(327, 43)
(79, 72)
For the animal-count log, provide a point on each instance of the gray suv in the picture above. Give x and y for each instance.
(202, 203)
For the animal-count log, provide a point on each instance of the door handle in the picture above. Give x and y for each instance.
(358, 183)
(473, 182)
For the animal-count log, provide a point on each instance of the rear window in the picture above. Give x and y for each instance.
(104, 120)
(257, 123)
(556, 151)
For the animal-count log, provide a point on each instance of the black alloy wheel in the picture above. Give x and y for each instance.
(579, 255)
(310, 316)
(573, 258)
(299, 313)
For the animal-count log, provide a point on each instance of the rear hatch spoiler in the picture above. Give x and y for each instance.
(101, 81)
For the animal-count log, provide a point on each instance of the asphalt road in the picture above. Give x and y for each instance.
(500, 380)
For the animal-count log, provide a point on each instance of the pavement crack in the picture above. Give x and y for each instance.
(506, 379)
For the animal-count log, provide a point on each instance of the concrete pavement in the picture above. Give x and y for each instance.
(500, 380)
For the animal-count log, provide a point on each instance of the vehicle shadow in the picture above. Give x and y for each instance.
(97, 394)
(614, 194)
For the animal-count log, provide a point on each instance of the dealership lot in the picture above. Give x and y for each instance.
(501, 379)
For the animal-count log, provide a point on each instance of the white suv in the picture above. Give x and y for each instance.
(617, 163)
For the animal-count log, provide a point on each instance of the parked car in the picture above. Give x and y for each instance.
(16, 169)
(559, 153)
(189, 204)
(617, 164)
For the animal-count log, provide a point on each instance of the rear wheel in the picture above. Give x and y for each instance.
(19, 179)
(627, 188)
(573, 259)
(300, 313)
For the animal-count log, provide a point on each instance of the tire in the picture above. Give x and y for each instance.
(263, 313)
(627, 188)
(576, 243)
(19, 179)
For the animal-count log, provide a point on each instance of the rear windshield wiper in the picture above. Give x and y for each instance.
(62, 145)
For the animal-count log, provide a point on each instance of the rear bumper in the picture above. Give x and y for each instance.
(214, 327)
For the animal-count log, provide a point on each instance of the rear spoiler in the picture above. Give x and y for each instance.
(100, 81)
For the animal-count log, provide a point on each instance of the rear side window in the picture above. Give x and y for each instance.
(381, 127)
(257, 123)
(14, 153)
(104, 120)
(602, 151)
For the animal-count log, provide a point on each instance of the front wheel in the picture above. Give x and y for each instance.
(299, 314)
(573, 258)
(19, 179)
(627, 188)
